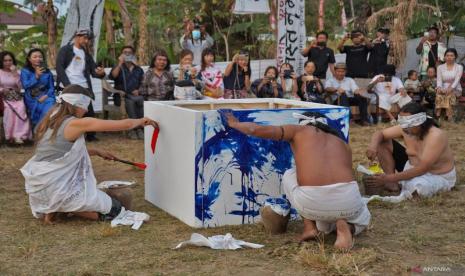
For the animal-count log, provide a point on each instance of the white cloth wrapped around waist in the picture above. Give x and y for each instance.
(326, 204)
(66, 184)
(425, 185)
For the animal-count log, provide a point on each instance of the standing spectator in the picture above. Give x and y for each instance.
(237, 77)
(321, 55)
(15, 122)
(431, 51)
(75, 65)
(390, 90)
(310, 87)
(412, 85)
(448, 84)
(379, 52)
(356, 57)
(187, 86)
(38, 84)
(210, 75)
(345, 92)
(128, 77)
(288, 81)
(158, 83)
(428, 87)
(196, 39)
(268, 86)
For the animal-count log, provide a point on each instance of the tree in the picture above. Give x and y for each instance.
(321, 15)
(127, 23)
(142, 45)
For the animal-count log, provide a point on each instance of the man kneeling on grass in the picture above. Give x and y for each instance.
(59, 177)
(424, 166)
(322, 187)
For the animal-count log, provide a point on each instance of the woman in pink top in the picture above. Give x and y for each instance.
(448, 83)
(15, 120)
(211, 77)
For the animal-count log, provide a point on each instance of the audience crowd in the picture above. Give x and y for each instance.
(364, 79)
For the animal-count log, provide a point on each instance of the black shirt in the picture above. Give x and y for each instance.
(235, 80)
(128, 81)
(356, 60)
(321, 57)
(378, 58)
(433, 55)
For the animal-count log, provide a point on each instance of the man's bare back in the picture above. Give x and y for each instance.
(321, 158)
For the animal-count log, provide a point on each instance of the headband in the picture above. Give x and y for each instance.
(78, 100)
(412, 120)
(309, 119)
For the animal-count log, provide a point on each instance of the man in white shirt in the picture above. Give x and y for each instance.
(344, 91)
(75, 65)
(390, 90)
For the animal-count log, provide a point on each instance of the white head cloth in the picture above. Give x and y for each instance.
(412, 120)
(78, 100)
(309, 119)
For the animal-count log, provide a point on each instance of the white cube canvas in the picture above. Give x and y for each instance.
(207, 174)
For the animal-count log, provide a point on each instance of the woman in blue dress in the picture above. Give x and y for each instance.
(38, 84)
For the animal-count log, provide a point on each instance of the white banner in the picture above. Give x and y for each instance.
(292, 37)
(251, 6)
(83, 14)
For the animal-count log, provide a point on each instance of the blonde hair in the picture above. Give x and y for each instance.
(53, 120)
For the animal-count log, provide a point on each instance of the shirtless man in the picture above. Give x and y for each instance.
(310, 187)
(424, 167)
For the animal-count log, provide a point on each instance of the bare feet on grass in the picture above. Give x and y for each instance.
(49, 218)
(344, 235)
(310, 231)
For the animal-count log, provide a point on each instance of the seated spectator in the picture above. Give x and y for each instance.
(128, 77)
(15, 122)
(196, 39)
(448, 84)
(288, 81)
(187, 86)
(428, 86)
(345, 92)
(268, 86)
(210, 75)
(390, 90)
(37, 81)
(310, 87)
(158, 83)
(412, 85)
(237, 77)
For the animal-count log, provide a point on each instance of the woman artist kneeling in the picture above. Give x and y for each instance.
(59, 177)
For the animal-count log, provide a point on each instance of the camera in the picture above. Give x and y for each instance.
(287, 74)
(43, 65)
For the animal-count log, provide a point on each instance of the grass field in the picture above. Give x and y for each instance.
(425, 234)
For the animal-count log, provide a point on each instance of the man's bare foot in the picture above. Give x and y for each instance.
(48, 218)
(87, 215)
(310, 231)
(344, 235)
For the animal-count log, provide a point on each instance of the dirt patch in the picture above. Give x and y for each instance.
(427, 233)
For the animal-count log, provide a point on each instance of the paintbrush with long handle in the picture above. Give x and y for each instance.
(139, 165)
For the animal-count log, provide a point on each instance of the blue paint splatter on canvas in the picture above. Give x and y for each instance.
(255, 161)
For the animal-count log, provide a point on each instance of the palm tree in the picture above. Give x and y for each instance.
(402, 16)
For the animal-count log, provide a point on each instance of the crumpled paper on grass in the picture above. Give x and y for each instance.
(126, 217)
(112, 183)
(218, 242)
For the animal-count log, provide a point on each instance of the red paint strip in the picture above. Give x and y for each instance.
(154, 139)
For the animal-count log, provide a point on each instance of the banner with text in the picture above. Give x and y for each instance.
(292, 37)
(251, 6)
